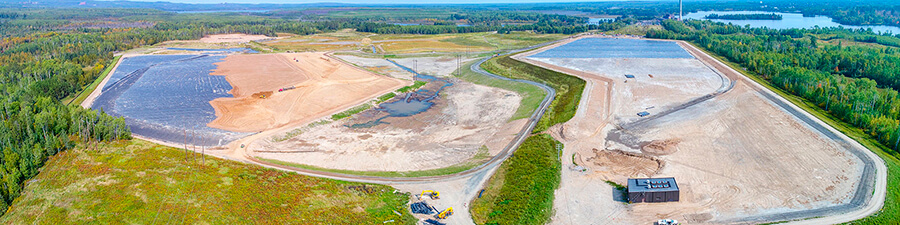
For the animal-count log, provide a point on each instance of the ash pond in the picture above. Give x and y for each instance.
(166, 97)
(413, 103)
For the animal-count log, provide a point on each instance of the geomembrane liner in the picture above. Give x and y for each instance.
(132, 64)
(161, 96)
(616, 48)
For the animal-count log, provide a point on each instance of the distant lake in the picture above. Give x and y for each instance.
(790, 20)
(597, 20)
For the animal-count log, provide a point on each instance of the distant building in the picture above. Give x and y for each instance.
(652, 190)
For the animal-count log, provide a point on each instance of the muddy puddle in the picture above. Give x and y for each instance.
(412, 103)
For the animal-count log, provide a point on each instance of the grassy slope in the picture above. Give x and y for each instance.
(890, 213)
(90, 88)
(568, 88)
(531, 95)
(144, 183)
(522, 190)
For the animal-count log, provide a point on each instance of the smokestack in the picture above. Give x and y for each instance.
(680, 11)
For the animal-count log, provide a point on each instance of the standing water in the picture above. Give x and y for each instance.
(413, 103)
(788, 21)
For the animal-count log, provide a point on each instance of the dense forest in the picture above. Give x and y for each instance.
(856, 83)
(755, 16)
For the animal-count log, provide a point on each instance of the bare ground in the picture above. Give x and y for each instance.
(735, 156)
(323, 85)
(465, 118)
(378, 65)
(741, 156)
(435, 66)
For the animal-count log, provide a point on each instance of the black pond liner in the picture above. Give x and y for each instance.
(166, 98)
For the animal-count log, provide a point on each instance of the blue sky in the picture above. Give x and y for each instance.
(370, 1)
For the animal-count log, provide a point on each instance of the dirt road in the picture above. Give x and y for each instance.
(99, 90)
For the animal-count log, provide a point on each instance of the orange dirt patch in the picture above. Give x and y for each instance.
(264, 94)
(250, 74)
(323, 86)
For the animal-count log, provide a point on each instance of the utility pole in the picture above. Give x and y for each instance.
(680, 11)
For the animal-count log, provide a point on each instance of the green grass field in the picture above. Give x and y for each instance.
(137, 182)
(568, 88)
(90, 88)
(521, 191)
(890, 213)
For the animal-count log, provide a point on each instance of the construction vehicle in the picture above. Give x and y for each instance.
(431, 194)
(287, 88)
(667, 222)
(446, 213)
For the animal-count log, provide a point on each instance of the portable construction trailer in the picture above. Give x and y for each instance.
(652, 190)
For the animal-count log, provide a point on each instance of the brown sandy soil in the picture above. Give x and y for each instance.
(249, 74)
(661, 147)
(233, 38)
(328, 85)
(615, 164)
(734, 156)
(465, 118)
(763, 160)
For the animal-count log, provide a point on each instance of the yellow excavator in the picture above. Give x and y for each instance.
(431, 193)
(446, 213)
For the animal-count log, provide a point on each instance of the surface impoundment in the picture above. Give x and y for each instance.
(165, 96)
